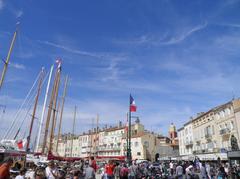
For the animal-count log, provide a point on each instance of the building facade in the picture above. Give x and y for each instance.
(212, 132)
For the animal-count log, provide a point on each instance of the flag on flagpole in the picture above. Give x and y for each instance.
(133, 107)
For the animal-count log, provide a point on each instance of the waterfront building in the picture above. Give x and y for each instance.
(213, 132)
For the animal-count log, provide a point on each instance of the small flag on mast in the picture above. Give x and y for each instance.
(58, 63)
(20, 144)
(133, 107)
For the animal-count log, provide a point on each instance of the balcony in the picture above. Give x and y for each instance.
(109, 149)
(200, 151)
(224, 131)
(208, 136)
(189, 143)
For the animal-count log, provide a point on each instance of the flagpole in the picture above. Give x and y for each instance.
(129, 134)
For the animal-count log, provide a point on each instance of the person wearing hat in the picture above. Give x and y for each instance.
(5, 169)
(89, 172)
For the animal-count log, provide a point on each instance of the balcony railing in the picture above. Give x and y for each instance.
(208, 136)
(108, 148)
(188, 143)
(224, 131)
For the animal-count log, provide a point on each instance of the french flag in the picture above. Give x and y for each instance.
(133, 107)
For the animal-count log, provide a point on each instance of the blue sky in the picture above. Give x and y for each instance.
(177, 58)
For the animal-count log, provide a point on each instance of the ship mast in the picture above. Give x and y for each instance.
(62, 107)
(73, 129)
(50, 108)
(6, 62)
(35, 108)
(44, 108)
(54, 112)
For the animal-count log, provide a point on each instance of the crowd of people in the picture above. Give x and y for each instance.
(88, 169)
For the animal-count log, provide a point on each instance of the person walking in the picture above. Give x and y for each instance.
(5, 169)
(21, 174)
(179, 171)
(93, 164)
(132, 171)
(89, 172)
(109, 170)
(116, 171)
(124, 172)
(203, 172)
(51, 171)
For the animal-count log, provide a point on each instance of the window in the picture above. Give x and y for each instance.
(138, 153)
(136, 144)
(231, 125)
(146, 144)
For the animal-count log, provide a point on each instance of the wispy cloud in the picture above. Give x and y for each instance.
(18, 66)
(229, 25)
(1, 4)
(167, 38)
(19, 13)
(182, 36)
(71, 50)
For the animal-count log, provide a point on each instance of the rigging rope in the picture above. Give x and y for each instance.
(26, 115)
(20, 108)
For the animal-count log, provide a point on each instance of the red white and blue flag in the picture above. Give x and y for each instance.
(133, 107)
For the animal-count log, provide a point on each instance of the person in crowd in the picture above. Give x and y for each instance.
(171, 168)
(5, 168)
(30, 173)
(51, 172)
(203, 172)
(76, 174)
(179, 171)
(116, 171)
(40, 173)
(208, 170)
(89, 172)
(21, 174)
(109, 170)
(221, 173)
(190, 172)
(132, 171)
(93, 164)
(124, 172)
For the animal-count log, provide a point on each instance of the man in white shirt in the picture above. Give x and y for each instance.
(171, 168)
(21, 174)
(50, 171)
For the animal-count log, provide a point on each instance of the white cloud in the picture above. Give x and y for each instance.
(71, 50)
(182, 36)
(18, 66)
(1, 4)
(179, 35)
(19, 13)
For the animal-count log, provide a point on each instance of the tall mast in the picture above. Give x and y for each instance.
(50, 110)
(44, 108)
(73, 129)
(96, 137)
(54, 111)
(62, 107)
(6, 62)
(35, 108)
